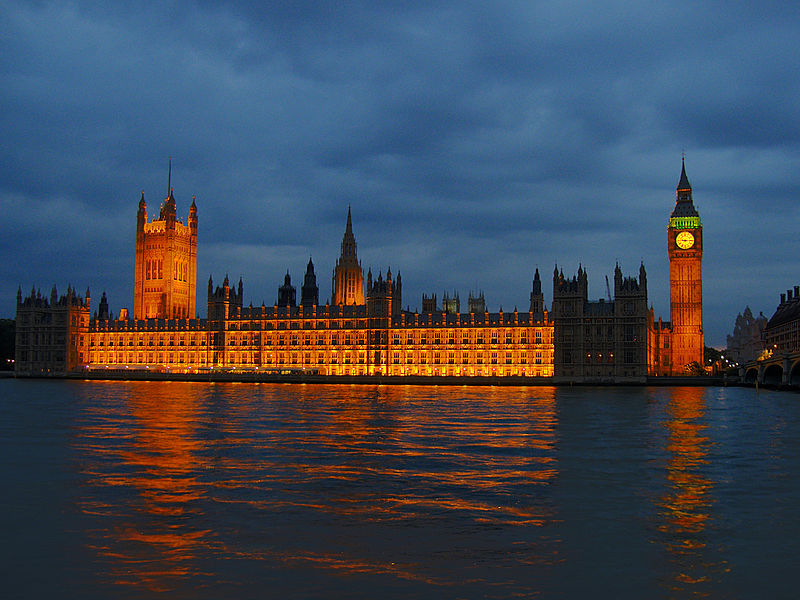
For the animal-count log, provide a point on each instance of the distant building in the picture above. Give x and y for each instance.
(451, 305)
(782, 332)
(747, 340)
(476, 304)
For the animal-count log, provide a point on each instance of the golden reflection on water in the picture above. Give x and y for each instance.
(190, 467)
(686, 508)
(144, 449)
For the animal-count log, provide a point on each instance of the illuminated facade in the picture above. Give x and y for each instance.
(330, 340)
(348, 276)
(165, 272)
(357, 334)
(363, 330)
(676, 348)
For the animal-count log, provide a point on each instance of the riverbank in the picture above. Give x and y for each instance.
(303, 378)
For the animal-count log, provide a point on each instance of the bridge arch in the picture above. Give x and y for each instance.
(751, 376)
(773, 375)
(794, 374)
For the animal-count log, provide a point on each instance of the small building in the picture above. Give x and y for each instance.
(51, 335)
(782, 332)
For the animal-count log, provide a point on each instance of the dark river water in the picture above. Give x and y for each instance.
(187, 490)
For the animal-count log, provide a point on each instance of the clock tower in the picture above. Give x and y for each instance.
(685, 246)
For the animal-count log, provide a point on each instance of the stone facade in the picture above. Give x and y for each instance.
(677, 347)
(746, 343)
(363, 329)
(604, 340)
(51, 335)
(165, 272)
(782, 332)
(348, 276)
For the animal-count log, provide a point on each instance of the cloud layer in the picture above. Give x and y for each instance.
(474, 142)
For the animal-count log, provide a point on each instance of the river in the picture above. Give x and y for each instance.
(203, 490)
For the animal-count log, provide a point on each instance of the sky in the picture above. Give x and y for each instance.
(474, 142)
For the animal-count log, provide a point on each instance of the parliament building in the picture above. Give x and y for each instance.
(362, 330)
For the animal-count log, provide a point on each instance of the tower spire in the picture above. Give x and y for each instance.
(684, 184)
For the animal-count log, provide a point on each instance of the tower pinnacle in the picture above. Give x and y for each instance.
(684, 184)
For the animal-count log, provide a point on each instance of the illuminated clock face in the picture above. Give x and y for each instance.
(684, 240)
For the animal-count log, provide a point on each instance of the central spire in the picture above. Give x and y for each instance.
(348, 277)
(349, 241)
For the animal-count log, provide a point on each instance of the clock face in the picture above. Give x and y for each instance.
(684, 240)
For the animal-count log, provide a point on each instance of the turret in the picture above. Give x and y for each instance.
(537, 298)
(309, 293)
(397, 296)
(169, 210)
(141, 215)
(287, 293)
(193, 217)
(102, 308)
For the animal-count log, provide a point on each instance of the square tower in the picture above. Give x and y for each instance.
(165, 274)
(685, 247)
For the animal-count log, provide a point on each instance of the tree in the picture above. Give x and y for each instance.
(8, 328)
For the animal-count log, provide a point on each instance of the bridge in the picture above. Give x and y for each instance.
(781, 369)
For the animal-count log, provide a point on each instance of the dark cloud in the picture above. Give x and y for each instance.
(473, 141)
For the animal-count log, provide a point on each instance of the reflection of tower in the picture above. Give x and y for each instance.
(685, 509)
(165, 272)
(685, 246)
(348, 277)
